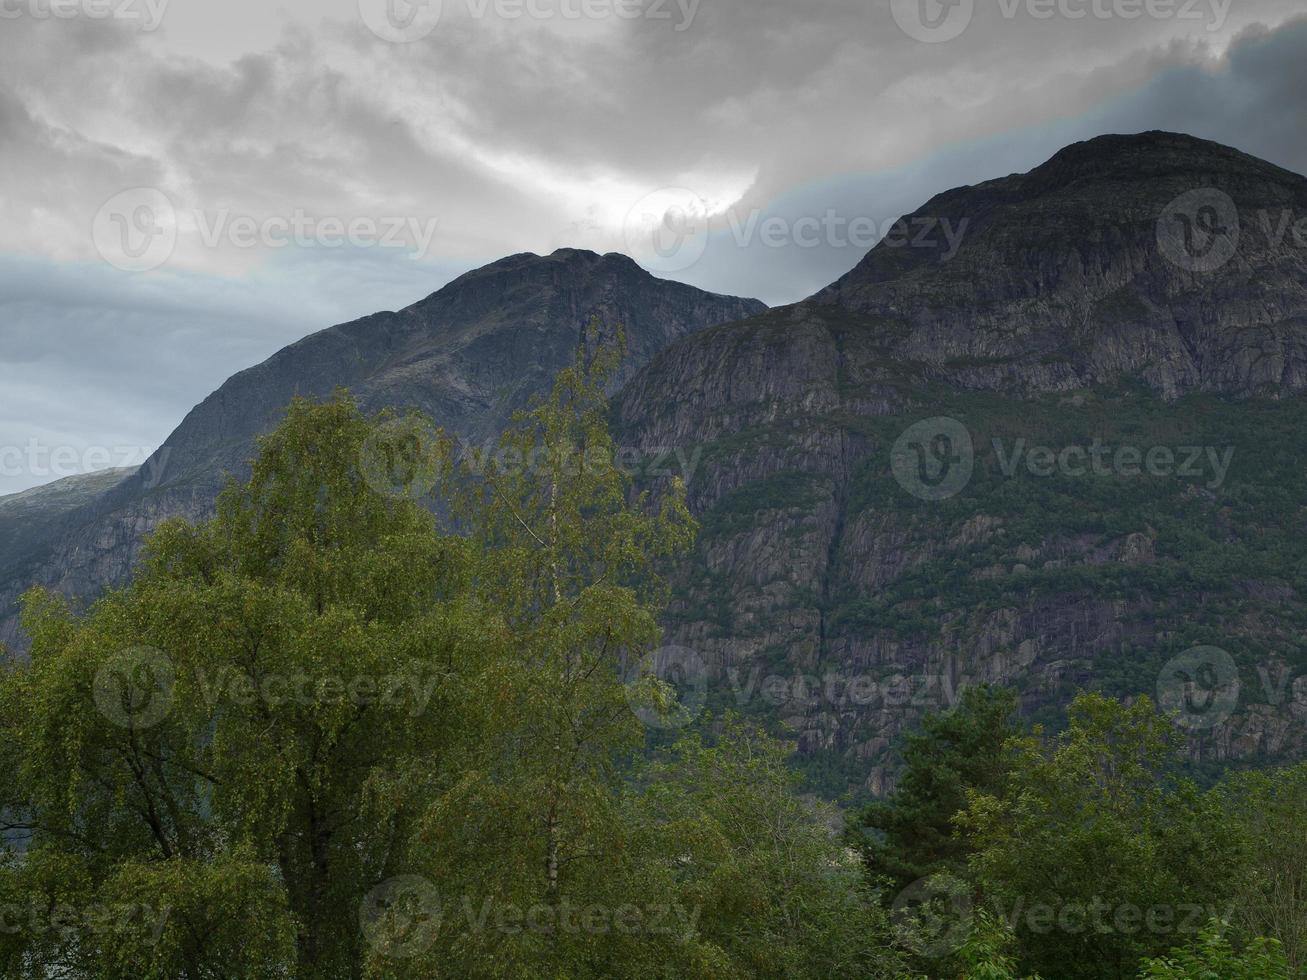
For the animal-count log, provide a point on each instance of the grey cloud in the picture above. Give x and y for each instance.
(828, 103)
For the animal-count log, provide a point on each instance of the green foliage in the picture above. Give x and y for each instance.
(1094, 852)
(987, 953)
(215, 736)
(1270, 894)
(912, 834)
(1211, 957)
(320, 737)
(779, 896)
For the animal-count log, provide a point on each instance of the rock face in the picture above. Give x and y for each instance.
(1148, 292)
(1103, 261)
(469, 356)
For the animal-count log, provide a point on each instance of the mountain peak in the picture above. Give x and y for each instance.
(1151, 155)
(579, 266)
(1093, 204)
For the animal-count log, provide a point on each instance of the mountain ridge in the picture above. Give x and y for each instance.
(468, 354)
(1065, 316)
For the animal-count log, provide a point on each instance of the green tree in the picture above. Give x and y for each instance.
(320, 737)
(1209, 956)
(1095, 853)
(912, 834)
(988, 952)
(1270, 896)
(778, 894)
(213, 740)
(535, 825)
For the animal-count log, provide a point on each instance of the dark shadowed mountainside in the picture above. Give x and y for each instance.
(1138, 293)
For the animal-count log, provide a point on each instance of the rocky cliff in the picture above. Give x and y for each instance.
(925, 476)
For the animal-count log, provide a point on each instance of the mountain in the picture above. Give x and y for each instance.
(469, 356)
(1063, 278)
(1074, 314)
(1049, 433)
(28, 520)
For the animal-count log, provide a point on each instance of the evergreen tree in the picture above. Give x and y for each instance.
(912, 834)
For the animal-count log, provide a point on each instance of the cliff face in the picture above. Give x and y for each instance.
(469, 356)
(1139, 293)
(1122, 255)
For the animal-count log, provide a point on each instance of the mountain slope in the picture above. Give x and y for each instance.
(1070, 313)
(469, 355)
(931, 473)
(1063, 279)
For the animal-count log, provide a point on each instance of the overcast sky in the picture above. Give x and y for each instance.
(178, 177)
